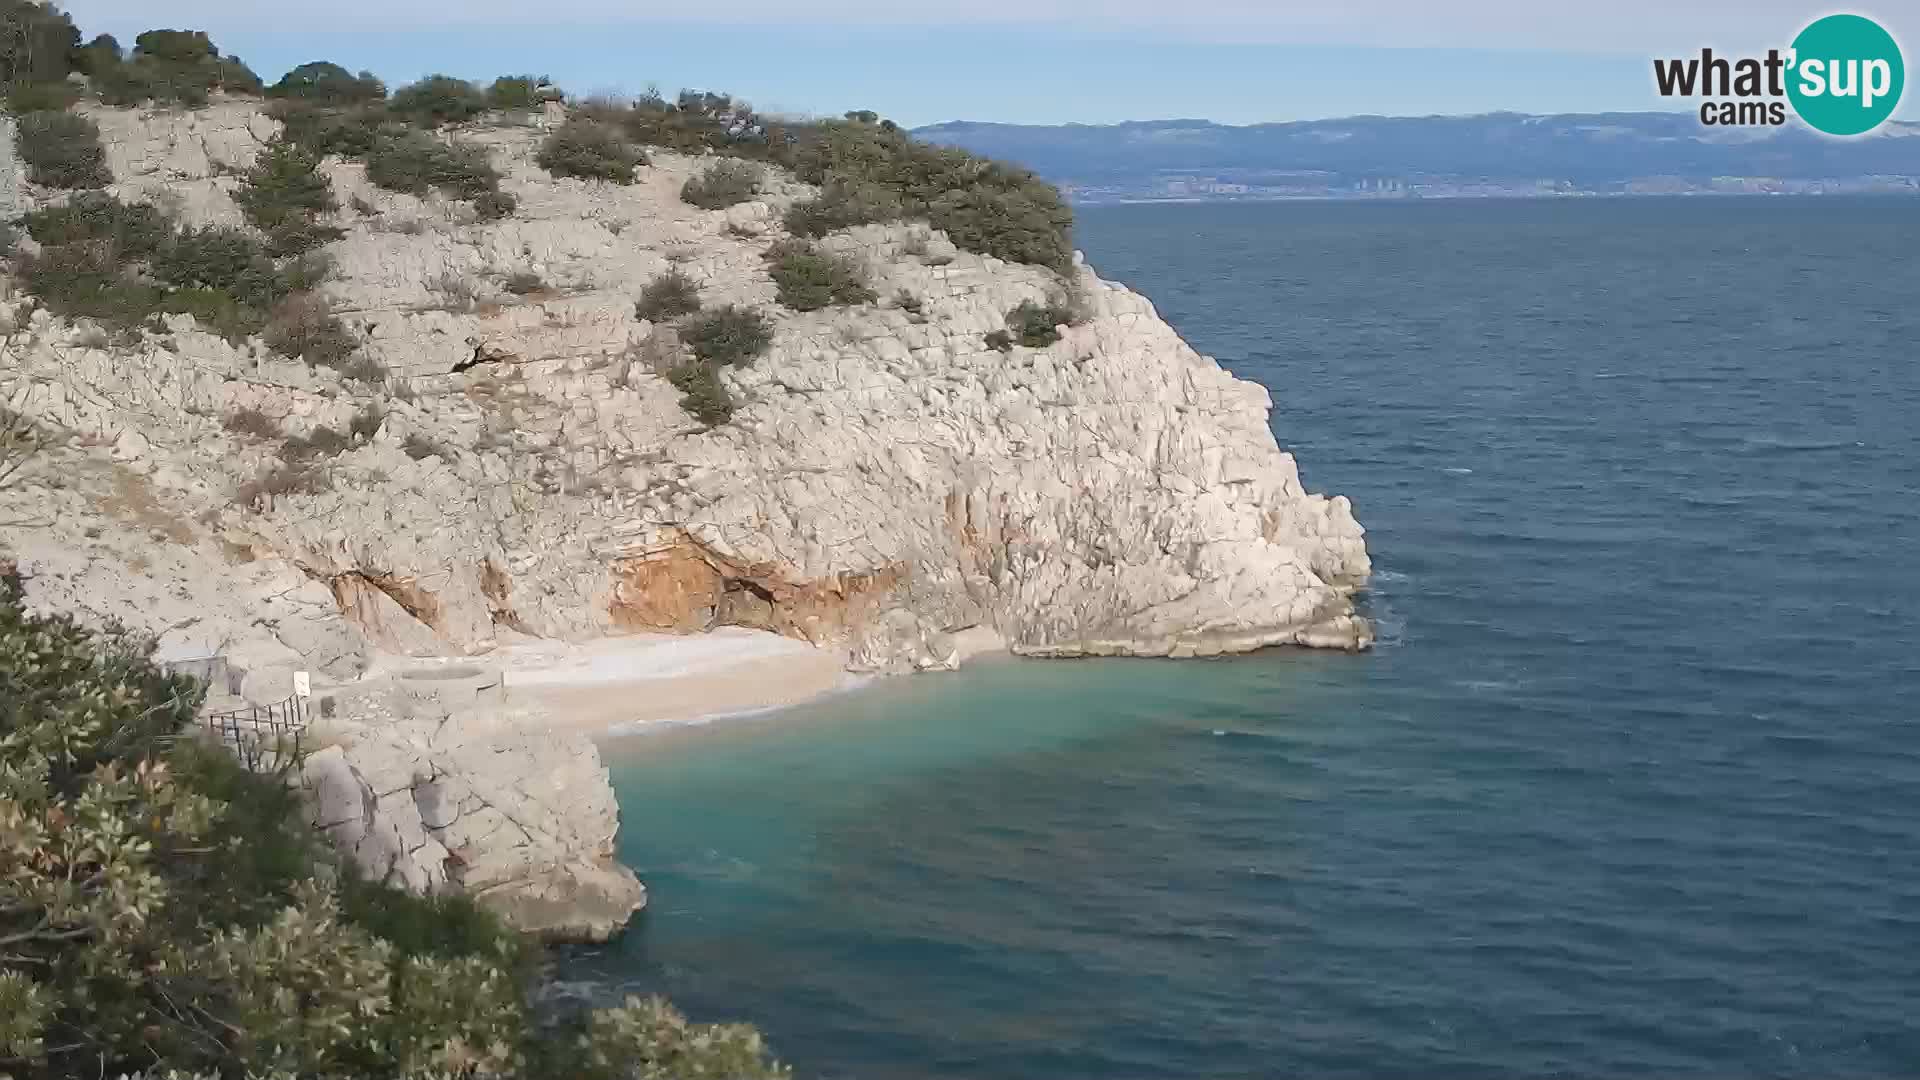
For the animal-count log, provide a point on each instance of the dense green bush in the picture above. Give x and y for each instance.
(182, 47)
(668, 296)
(842, 204)
(591, 151)
(173, 67)
(98, 55)
(89, 280)
(326, 83)
(122, 263)
(221, 259)
(134, 230)
(62, 150)
(1038, 325)
(515, 93)
(216, 312)
(873, 170)
(283, 195)
(703, 395)
(809, 279)
(437, 100)
(164, 908)
(696, 122)
(1028, 223)
(728, 335)
(986, 206)
(415, 162)
(346, 130)
(723, 184)
(23, 98)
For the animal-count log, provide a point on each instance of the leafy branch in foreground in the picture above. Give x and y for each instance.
(163, 909)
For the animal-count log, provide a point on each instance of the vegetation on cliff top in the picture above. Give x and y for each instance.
(869, 169)
(589, 151)
(163, 908)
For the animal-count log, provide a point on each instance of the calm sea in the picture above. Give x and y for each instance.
(1630, 788)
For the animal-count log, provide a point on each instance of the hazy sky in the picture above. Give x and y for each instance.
(1049, 61)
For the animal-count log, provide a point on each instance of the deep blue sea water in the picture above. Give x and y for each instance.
(1630, 788)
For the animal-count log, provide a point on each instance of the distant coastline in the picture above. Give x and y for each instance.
(1498, 155)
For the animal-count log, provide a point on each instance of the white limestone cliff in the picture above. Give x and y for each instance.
(888, 481)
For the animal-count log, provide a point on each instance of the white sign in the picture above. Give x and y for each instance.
(302, 685)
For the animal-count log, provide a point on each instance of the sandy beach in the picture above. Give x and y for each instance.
(623, 684)
(626, 682)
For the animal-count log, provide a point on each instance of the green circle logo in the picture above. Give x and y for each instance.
(1846, 75)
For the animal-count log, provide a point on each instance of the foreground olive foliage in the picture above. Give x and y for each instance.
(163, 910)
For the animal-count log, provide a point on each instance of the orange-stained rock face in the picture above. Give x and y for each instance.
(677, 589)
(686, 588)
(399, 616)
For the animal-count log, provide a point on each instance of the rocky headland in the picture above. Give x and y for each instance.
(891, 491)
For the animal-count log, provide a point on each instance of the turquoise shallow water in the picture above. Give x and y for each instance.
(1630, 787)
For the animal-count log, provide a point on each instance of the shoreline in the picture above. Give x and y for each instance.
(622, 686)
(625, 685)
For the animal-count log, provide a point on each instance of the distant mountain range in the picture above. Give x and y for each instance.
(1492, 154)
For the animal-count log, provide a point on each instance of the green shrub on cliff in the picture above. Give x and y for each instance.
(415, 162)
(221, 259)
(437, 100)
(62, 150)
(668, 296)
(98, 55)
(1038, 325)
(164, 909)
(986, 206)
(133, 230)
(842, 204)
(809, 279)
(870, 170)
(122, 263)
(41, 97)
(515, 93)
(728, 335)
(723, 184)
(589, 151)
(170, 67)
(284, 194)
(702, 393)
(321, 82)
(348, 130)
